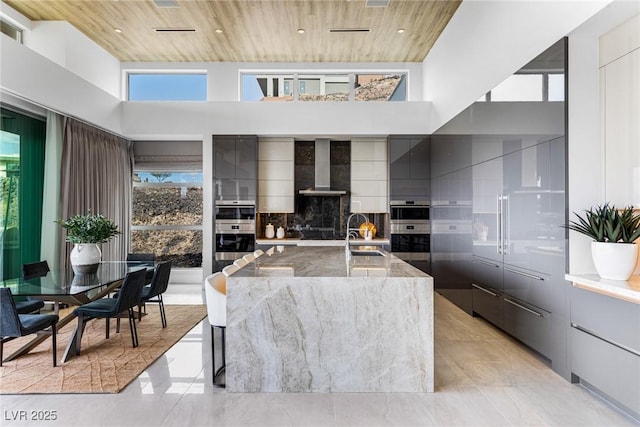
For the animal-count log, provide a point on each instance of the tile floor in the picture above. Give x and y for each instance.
(483, 378)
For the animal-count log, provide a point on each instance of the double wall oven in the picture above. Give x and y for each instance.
(235, 230)
(410, 232)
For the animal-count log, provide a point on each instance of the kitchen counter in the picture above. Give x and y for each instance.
(309, 319)
(624, 290)
(327, 242)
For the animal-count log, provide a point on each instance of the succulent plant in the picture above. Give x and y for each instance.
(605, 223)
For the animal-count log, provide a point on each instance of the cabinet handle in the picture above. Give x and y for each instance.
(522, 307)
(499, 224)
(493, 294)
(479, 261)
(532, 276)
(506, 230)
(593, 334)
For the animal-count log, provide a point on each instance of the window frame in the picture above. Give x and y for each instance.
(129, 72)
(178, 185)
(297, 75)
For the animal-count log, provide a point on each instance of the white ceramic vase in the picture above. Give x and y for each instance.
(85, 258)
(269, 232)
(614, 261)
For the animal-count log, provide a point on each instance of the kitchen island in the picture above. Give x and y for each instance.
(319, 319)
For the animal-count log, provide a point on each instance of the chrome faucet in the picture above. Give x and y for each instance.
(353, 230)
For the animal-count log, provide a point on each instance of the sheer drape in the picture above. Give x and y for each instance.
(96, 174)
(50, 246)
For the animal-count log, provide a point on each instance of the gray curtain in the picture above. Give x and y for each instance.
(96, 174)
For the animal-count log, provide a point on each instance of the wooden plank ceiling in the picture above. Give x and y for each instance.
(253, 31)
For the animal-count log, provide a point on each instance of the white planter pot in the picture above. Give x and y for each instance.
(614, 261)
(85, 258)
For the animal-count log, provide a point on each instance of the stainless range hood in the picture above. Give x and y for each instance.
(322, 172)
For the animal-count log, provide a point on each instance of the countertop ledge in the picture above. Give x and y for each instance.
(625, 290)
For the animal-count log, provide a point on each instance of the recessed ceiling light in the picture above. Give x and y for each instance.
(218, 31)
(300, 30)
(117, 30)
(401, 30)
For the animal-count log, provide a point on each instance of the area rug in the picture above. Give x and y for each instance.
(104, 365)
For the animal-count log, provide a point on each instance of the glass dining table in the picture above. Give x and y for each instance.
(63, 286)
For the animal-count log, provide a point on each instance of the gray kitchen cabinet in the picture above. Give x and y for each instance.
(451, 237)
(246, 157)
(224, 156)
(605, 347)
(450, 153)
(487, 290)
(519, 244)
(235, 167)
(531, 325)
(409, 162)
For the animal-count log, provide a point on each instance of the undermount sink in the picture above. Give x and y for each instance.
(356, 252)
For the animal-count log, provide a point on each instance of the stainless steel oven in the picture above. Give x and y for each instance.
(410, 232)
(409, 210)
(235, 230)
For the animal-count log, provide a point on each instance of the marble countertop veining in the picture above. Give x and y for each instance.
(625, 290)
(326, 261)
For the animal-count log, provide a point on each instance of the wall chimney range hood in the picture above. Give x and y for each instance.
(322, 172)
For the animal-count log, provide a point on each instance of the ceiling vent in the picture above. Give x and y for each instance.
(349, 30)
(377, 3)
(166, 3)
(174, 30)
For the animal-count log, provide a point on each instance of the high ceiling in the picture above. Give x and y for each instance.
(253, 30)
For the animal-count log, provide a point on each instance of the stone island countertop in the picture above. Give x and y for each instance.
(311, 319)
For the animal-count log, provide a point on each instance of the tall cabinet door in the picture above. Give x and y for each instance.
(224, 156)
(235, 167)
(487, 189)
(246, 157)
(534, 208)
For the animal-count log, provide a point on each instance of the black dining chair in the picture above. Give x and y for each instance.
(142, 257)
(35, 269)
(31, 271)
(14, 325)
(106, 308)
(153, 292)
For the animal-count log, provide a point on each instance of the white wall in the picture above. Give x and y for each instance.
(620, 81)
(141, 120)
(487, 41)
(41, 81)
(68, 47)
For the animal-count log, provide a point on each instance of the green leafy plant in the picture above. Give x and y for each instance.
(89, 228)
(605, 223)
